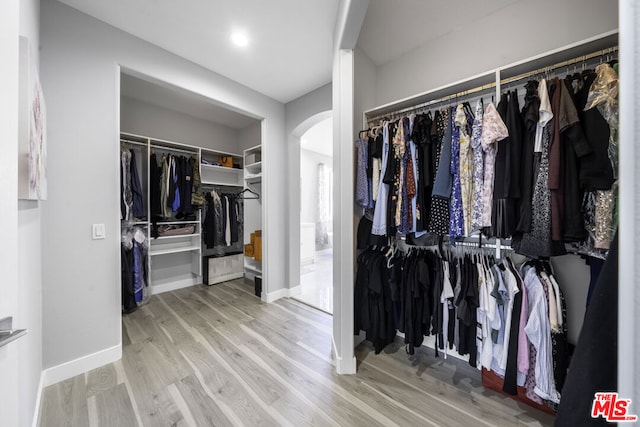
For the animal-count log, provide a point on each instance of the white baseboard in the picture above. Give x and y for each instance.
(70, 369)
(282, 293)
(36, 410)
(172, 286)
(343, 366)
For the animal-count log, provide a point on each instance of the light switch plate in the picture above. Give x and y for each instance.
(98, 231)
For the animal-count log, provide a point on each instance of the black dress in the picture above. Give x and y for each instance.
(530, 116)
(507, 189)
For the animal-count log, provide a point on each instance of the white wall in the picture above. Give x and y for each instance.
(509, 35)
(300, 115)
(29, 314)
(309, 161)
(81, 277)
(9, 355)
(249, 136)
(142, 118)
(364, 87)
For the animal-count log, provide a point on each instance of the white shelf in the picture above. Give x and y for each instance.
(254, 167)
(253, 179)
(220, 184)
(177, 237)
(210, 151)
(254, 268)
(124, 223)
(177, 222)
(221, 169)
(155, 252)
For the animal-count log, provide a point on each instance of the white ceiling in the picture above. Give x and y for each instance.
(172, 98)
(319, 138)
(393, 28)
(290, 48)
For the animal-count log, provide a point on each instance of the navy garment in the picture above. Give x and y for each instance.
(126, 275)
(139, 210)
(444, 179)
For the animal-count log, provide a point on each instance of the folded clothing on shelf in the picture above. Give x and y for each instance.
(176, 230)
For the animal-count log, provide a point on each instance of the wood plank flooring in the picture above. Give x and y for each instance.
(218, 356)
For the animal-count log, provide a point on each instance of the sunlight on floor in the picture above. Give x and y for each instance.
(316, 280)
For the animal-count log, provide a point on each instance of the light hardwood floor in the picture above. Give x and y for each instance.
(219, 356)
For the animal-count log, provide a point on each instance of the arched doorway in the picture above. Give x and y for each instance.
(316, 216)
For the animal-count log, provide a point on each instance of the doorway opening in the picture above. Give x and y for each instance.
(316, 216)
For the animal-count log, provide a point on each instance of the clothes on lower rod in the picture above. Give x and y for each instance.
(507, 320)
(222, 219)
(134, 268)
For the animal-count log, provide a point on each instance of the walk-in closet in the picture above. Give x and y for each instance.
(488, 211)
(191, 207)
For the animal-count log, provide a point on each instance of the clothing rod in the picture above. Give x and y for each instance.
(482, 245)
(446, 98)
(177, 150)
(562, 64)
(126, 141)
(465, 93)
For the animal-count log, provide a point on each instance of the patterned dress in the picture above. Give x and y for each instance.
(456, 216)
(478, 168)
(493, 129)
(538, 241)
(466, 169)
(399, 149)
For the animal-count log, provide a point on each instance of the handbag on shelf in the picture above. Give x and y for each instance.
(226, 161)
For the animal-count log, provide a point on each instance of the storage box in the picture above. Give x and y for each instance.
(257, 245)
(248, 250)
(253, 158)
(221, 269)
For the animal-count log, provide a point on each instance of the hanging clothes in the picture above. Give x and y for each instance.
(456, 216)
(493, 130)
(362, 185)
(439, 212)
(530, 119)
(464, 122)
(379, 226)
(506, 191)
(134, 268)
(222, 220)
(126, 195)
(478, 168)
(138, 206)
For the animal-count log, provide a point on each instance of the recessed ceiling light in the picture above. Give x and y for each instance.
(239, 38)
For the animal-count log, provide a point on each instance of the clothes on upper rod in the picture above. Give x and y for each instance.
(544, 176)
(508, 320)
(131, 197)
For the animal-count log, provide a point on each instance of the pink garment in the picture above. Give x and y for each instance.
(493, 129)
